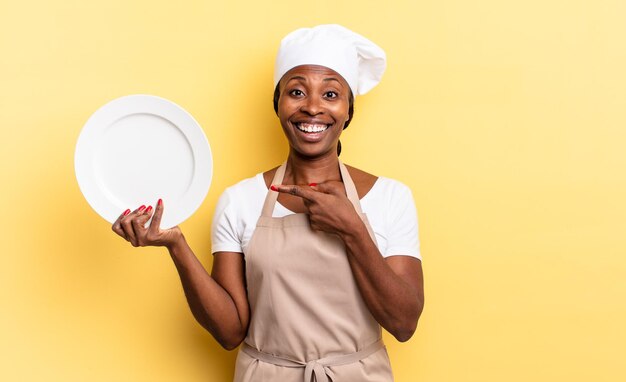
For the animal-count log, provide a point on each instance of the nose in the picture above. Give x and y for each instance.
(311, 106)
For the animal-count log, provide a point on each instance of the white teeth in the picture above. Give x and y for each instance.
(307, 128)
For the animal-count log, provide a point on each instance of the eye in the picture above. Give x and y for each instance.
(296, 93)
(330, 94)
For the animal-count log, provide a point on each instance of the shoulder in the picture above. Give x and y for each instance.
(367, 183)
(240, 203)
(392, 213)
(246, 186)
(236, 211)
(242, 196)
(390, 193)
(391, 186)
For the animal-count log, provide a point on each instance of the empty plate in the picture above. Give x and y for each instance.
(139, 148)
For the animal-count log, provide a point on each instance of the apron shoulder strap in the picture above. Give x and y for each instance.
(353, 196)
(272, 196)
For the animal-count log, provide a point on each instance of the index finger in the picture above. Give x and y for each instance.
(117, 226)
(303, 192)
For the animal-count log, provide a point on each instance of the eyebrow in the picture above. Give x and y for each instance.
(332, 79)
(295, 78)
(327, 79)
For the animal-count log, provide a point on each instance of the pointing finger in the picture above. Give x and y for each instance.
(303, 192)
(332, 187)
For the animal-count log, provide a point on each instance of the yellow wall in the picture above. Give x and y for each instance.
(506, 118)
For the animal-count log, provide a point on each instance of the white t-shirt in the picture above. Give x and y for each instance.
(388, 205)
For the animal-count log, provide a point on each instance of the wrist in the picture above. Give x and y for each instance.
(354, 231)
(177, 245)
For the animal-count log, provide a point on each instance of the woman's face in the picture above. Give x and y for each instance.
(313, 109)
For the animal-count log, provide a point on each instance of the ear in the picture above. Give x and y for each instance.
(346, 123)
(276, 97)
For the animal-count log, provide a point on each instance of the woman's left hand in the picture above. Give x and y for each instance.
(328, 207)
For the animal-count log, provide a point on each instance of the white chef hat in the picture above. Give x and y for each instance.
(358, 60)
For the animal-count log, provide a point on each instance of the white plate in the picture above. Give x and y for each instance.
(139, 148)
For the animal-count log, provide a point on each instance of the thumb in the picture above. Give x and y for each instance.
(155, 224)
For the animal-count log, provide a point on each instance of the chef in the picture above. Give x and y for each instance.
(313, 257)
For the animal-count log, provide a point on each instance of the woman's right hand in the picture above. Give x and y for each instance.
(131, 227)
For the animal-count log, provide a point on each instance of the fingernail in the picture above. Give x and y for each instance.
(273, 188)
(149, 209)
(126, 212)
(141, 208)
(312, 184)
(160, 202)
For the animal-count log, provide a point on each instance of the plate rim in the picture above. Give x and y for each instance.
(159, 106)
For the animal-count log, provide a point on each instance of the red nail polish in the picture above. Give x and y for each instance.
(160, 202)
(126, 212)
(149, 209)
(312, 184)
(141, 208)
(273, 188)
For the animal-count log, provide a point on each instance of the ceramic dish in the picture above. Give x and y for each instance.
(139, 148)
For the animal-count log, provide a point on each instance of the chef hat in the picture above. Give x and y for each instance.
(358, 60)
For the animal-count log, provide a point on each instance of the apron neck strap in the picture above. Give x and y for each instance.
(272, 196)
(353, 196)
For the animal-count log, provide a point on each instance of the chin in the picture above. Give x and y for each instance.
(312, 153)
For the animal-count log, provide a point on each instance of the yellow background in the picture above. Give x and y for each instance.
(506, 118)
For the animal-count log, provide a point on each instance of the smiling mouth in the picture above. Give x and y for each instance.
(311, 128)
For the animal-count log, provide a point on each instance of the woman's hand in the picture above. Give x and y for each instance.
(328, 207)
(131, 227)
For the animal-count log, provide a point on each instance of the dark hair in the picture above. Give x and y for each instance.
(345, 126)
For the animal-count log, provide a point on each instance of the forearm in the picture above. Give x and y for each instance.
(393, 302)
(210, 304)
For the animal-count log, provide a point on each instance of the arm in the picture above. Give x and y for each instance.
(218, 303)
(392, 288)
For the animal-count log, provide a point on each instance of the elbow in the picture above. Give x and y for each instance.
(232, 340)
(404, 337)
(230, 343)
(227, 340)
(403, 331)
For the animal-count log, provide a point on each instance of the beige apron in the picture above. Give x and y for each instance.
(308, 320)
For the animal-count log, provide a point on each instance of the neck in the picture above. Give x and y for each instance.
(301, 170)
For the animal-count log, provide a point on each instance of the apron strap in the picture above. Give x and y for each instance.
(353, 196)
(272, 196)
(315, 368)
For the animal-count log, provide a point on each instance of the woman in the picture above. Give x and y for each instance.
(300, 276)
